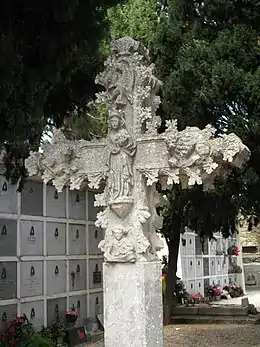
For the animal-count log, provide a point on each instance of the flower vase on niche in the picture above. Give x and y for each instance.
(71, 315)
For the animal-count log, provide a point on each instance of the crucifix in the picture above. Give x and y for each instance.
(130, 161)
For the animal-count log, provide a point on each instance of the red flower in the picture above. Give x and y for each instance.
(164, 275)
(11, 342)
(15, 314)
(3, 337)
(11, 330)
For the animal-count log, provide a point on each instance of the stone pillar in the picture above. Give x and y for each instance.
(133, 314)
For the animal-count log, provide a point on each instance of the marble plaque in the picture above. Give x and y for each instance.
(79, 302)
(56, 308)
(56, 277)
(31, 278)
(56, 238)
(6, 314)
(8, 196)
(77, 275)
(8, 237)
(34, 312)
(31, 237)
(95, 304)
(77, 239)
(77, 204)
(32, 199)
(8, 278)
(95, 235)
(56, 202)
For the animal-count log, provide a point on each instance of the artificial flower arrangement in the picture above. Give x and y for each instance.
(233, 250)
(234, 290)
(212, 292)
(71, 315)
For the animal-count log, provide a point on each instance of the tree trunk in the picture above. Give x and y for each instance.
(173, 246)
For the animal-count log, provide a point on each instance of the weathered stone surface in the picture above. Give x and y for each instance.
(133, 305)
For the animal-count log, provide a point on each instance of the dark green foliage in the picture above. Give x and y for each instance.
(207, 53)
(49, 58)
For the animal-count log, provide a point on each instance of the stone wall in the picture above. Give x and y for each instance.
(49, 256)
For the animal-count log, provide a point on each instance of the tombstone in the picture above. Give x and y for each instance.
(131, 160)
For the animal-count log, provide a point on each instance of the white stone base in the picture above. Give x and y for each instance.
(133, 314)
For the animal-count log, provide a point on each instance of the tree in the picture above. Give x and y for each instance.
(207, 54)
(49, 57)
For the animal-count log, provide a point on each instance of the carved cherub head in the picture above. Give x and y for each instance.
(119, 232)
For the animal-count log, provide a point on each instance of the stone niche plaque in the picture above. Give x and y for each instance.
(80, 304)
(77, 239)
(8, 196)
(55, 202)
(31, 237)
(56, 277)
(56, 238)
(96, 304)
(95, 235)
(8, 239)
(32, 199)
(77, 204)
(56, 308)
(34, 312)
(77, 275)
(95, 273)
(31, 278)
(6, 313)
(8, 275)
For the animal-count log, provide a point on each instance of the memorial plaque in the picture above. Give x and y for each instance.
(56, 308)
(8, 237)
(77, 207)
(31, 238)
(95, 273)
(6, 314)
(8, 196)
(92, 210)
(96, 304)
(32, 199)
(31, 278)
(77, 239)
(95, 235)
(8, 275)
(55, 202)
(56, 277)
(56, 238)
(80, 304)
(77, 275)
(34, 312)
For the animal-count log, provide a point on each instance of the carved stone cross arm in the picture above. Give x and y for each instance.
(66, 162)
(133, 157)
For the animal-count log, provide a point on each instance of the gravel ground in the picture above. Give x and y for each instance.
(213, 335)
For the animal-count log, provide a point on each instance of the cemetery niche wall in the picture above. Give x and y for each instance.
(49, 255)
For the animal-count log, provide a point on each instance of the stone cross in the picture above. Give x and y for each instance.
(130, 161)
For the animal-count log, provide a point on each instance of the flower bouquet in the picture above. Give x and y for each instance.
(213, 292)
(234, 290)
(233, 250)
(196, 298)
(71, 316)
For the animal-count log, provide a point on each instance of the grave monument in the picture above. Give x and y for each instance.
(131, 160)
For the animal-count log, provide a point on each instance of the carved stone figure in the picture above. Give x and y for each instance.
(134, 157)
(122, 149)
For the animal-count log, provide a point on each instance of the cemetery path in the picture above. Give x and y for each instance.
(205, 335)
